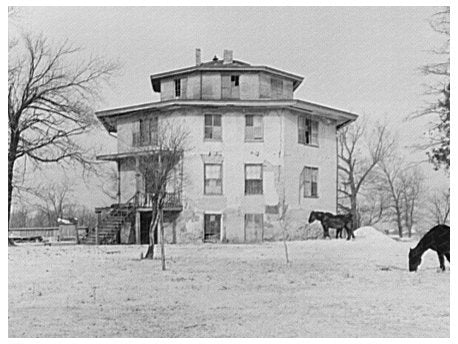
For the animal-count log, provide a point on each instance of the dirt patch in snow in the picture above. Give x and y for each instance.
(332, 288)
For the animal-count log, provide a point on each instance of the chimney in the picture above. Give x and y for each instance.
(198, 58)
(227, 56)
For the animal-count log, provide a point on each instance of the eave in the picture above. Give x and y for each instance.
(342, 117)
(156, 78)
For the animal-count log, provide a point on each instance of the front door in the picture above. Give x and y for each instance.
(145, 220)
(212, 227)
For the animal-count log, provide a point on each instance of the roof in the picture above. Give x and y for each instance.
(342, 117)
(219, 65)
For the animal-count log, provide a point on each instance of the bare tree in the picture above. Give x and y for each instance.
(53, 200)
(392, 170)
(160, 169)
(374, 203)
(359, 154)
(411, 181)
(283, 210)
(404, 184)
(49, 103)
(439, 206)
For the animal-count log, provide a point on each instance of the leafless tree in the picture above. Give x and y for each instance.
(392, 170)
(359, 153)
(160, 169)
(404, 184)
(411, 181)
(439, 206)
(50, 93)
(53, 200)
(283, 213)
(374, 203)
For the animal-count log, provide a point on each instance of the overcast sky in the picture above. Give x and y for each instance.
(363, 59)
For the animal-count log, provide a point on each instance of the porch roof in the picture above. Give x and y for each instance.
(127, 155)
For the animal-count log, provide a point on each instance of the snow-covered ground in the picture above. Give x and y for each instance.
(332, 288)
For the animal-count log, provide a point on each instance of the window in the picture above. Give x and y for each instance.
(277, 88)
(253, 227)
(145, 132)
(253, 128)
(213, 179)
(253, 179)
(230, 86)
(234, 81)
(212, 227)
(309, 181)
(178, 88)
(212, 130)
(307, 131)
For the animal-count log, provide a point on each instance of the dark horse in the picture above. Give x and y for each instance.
(437, 239)
(339, 222)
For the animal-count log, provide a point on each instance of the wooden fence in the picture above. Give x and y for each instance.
(44, 232)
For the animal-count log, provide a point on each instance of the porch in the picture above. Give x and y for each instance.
(127, 223)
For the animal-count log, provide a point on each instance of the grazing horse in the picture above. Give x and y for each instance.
(437, 239)
(339, 222)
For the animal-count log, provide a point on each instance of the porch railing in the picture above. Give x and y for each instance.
(172, 200)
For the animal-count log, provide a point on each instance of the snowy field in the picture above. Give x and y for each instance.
(332, 288)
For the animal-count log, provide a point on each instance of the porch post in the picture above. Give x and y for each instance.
(137, 227)
(118, 162)
(99, 222)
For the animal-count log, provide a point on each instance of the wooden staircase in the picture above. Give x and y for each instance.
(109, 228)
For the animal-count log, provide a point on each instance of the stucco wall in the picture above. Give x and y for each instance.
(323, 156)
(282, 158)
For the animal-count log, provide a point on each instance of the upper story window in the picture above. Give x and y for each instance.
(178, 88)
(309, 181)
(253, 179)
(307, 130)
(230, 86)
(277, 88)
(234, 81)
(254, 128)
(145, 132)
(213, 179)
(213, 128)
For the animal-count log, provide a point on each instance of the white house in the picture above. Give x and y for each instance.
(251, 145)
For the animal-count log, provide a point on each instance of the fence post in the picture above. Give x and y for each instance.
(99, 215)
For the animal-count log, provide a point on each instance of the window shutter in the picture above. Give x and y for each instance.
(301, 129)
(184, 85)
(225, 86)
(258, 128)
(315, 128)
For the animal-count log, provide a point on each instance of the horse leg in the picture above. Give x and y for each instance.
(441, 260)
(337, 233)
(447, 255)
(326, 232)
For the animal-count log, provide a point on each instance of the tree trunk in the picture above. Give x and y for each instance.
(354, 213)
(12, 150)
(161, 224)
(399, 219)
(285, 246)
(152, 228)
